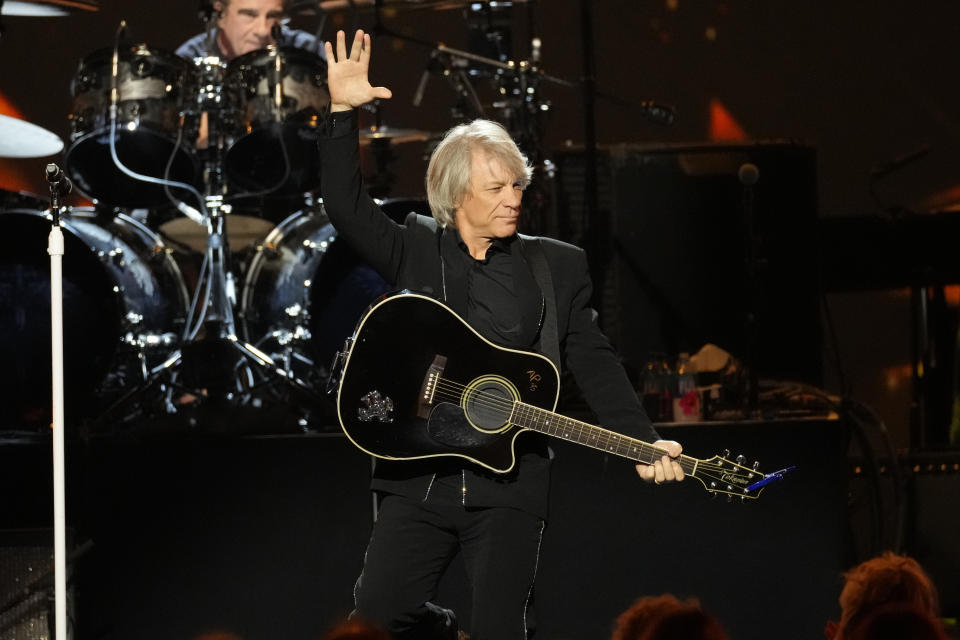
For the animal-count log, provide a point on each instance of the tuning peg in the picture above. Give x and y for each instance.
(741, 459)
(756, 464)
(729, 498)
(726, 454)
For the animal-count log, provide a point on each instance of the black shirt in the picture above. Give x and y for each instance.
(493, 307)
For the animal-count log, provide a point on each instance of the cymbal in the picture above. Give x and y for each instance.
(45, 8)
(392, 134)
(20, 139)
(407, 5)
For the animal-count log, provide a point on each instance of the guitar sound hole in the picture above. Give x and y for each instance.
(488, 402)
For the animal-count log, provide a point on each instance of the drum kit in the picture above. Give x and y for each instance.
(169, 316)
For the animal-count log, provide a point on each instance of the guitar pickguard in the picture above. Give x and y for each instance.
(448, 426)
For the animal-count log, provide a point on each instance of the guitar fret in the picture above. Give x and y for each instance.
(580, 432)
(550, 423)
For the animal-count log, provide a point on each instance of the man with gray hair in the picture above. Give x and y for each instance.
(517, 292)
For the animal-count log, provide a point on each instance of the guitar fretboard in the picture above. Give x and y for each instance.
(554, 424)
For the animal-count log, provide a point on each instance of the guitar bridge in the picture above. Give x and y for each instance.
(429, 387)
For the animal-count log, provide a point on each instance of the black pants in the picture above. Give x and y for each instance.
(413, 543)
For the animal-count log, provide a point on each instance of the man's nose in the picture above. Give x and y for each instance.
(263, 27)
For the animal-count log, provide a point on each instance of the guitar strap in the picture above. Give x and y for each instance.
(537, 259)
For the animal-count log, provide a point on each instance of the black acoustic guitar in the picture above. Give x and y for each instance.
(418, 382)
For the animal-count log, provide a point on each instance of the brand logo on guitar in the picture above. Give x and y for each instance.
(733, 479)
(534, 379)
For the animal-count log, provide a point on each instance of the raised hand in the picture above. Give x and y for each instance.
(347, 74)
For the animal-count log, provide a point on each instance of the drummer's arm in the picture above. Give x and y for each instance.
(371, 233)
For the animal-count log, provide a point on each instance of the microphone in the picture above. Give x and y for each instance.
(275, 32)
(658, 113)
(57, 179)
(422, 85)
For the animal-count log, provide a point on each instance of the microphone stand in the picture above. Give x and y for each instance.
(55, 247)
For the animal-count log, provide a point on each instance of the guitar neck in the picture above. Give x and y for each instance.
(553, 424)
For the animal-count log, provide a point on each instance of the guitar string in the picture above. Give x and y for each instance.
(603, 437)
(482, 398)
(454, 390)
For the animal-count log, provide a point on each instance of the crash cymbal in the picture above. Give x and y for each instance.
(45, 8)
(20, 139)
(392, 134)
(409, 5)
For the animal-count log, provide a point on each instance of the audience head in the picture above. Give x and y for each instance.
(357, 629)
(898, 621)
(887, 579)
(667, 618)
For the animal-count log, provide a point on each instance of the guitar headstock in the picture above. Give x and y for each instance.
(722, 476)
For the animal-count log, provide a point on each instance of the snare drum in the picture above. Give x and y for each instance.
(282, 100)
(124, 306)
(152, 138)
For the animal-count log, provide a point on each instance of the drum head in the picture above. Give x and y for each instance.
(304, 292)
(143, 151)
(90, 321)
(124, 306)
(276, 160)
(282, 100)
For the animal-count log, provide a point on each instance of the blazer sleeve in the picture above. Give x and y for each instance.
(355, 216)
(589, 356)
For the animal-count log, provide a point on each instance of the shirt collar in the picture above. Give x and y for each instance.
(504, 245)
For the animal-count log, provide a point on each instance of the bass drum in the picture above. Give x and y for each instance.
(303, 294)
(124, 310)
(152, 137)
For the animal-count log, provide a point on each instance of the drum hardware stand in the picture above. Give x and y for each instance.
(217, 312)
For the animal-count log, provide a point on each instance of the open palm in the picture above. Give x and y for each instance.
(348, 73)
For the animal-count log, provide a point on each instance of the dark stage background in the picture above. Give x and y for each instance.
(863, 85)
(261, 535)
(264, 537)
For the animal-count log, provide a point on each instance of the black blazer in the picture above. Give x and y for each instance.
(411, 256)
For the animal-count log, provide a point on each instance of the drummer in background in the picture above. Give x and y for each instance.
(248, 25)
